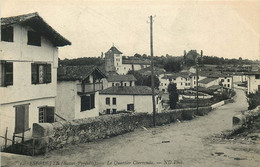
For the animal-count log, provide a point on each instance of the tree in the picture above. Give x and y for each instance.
(140, 79)
(173, 95)
(253, 100)
(156, 82)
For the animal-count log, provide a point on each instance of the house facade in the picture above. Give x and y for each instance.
(78, 91)
(118, 80)
(114, 61)
(125, 98)
(28, 67)
(253, 83)
(208, 82)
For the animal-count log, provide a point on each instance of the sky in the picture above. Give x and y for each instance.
(229, 29)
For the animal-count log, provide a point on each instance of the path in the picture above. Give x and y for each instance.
(184, 144)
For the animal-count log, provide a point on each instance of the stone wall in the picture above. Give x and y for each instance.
(90, 129)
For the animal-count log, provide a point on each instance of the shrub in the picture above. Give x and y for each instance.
(253, 100)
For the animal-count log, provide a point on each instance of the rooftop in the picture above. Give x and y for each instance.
(73, 73)
(119, 78)
(128, 90)
(113, 50)
(207, 80)
(39, 25)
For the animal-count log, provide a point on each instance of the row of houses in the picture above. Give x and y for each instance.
(34, 89)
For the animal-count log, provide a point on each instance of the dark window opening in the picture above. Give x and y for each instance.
(87, 102)
(258, 87)
(6, 73)
(46, 114)
(34, 38)
(114, 101)
(108, 111)
(257, 76)
(107, 101)
(114, 111)
(41, 73)
(130, 107)
(130, 83)
(7, 34)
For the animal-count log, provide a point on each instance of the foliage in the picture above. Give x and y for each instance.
(82, 61)
(144, 80)
(140, 79)
(253, 100)
(156, 82)
(173, 95)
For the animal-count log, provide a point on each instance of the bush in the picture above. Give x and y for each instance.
(253, 100)
(173, 95)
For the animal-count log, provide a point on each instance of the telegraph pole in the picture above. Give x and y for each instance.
(197, 79)
(152, 76)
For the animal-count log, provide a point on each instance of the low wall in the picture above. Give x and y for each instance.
(221, 103)
(194, 97)
(90, 129)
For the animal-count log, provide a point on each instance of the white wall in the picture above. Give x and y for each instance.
(252, 84)
(228, 82)
(214, 82)
(65, 101)
(142, 103)
(8, 115)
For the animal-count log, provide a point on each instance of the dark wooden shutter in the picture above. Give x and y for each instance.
(48, 73)
(34, 71)
(92, 100)
(21, 118)
(49, 114)
(83, 103)
(108, 101)
(8, 73)
(26, 117)
(114, 101)
(88, 103)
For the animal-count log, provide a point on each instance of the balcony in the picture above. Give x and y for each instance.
(89, 87)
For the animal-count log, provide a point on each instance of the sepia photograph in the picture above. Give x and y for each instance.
(130, 83)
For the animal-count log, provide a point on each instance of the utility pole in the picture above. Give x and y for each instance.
(197, 79)
(152, 76)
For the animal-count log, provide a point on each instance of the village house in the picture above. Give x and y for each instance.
(77, 91)
(126, 98)
(208, 82)
(114, 61)
(118, 80)
(253, 83)
(182, 81)
(28, 67)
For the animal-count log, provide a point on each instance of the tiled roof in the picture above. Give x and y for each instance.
(72, 73)
(39, 25)
(119, 78)
(114, 50)
(128, 90)
(207, 80)
(214, 87)
(136, 61)
(176, 75)
(147, 71)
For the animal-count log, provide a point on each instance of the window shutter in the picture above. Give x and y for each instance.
(26, 117)
(49, 114)
(114, 101)
(19, 116)
(34, 71)
(88, 103)
(108, 101)
(92, 100)
(48, 73)
(8, 73)
(83, 103)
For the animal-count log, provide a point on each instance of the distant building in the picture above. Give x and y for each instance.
(77, 91)
(126, 98)
(208, 82)
(28, 67)
(119, 80)
(253, 84)
(114, 61)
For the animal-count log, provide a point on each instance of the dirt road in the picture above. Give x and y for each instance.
(190, 143)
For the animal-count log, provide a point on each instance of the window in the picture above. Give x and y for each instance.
(41, 73)
(114, 101)
(46, 114)
(228, 80)
(21, 118)
(6, 73)
(181, 83)
(228, 85)
(107, 101)
(34, 38)
(7, 34)
(165, 84)
(130, 107)
(225, 85)
(113, 84)
(130, 83)
(258, 87)
(222, 80)
(117, 84)
(87, 102)
(114, 111)
(185, 84)
(108, 111)
(257, 76)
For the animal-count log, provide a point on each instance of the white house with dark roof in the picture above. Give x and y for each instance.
(28, 67)
(77, 91)
(126, 98)
(119, 80)
(114, 61)
(253, 83)
(208, 82)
